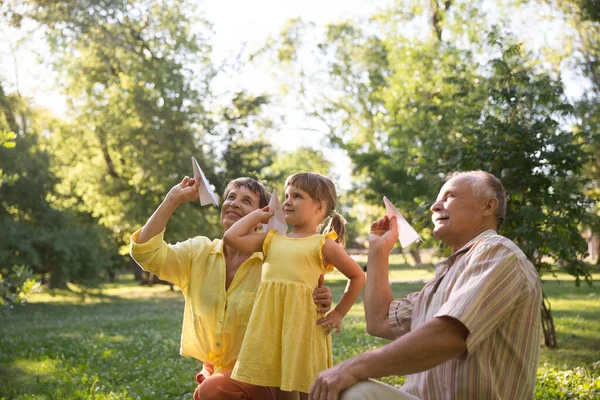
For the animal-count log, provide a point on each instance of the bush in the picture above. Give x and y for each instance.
(15, 287)
(576, 383)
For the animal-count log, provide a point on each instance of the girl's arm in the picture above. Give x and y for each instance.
(335, 254)
(241, 235)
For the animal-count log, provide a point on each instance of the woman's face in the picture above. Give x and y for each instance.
(239, 202)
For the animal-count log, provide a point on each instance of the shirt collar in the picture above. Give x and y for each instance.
(448, 262)
(218, 245)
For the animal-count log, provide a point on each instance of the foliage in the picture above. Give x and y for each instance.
(300, 160)
(579, 50)
(409, 108)
(7, 140)
(136, 75)
(576, 383)
(240, 134)
(60, 243)
(520, 139)
(123, 343)
(15, 287)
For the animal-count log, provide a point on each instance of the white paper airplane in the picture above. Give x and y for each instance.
(406, 234)
(277, 221)
(207, 196)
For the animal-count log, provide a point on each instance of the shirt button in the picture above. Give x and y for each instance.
(219, 323)
(218, 344)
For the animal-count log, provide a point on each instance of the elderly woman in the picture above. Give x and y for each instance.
(219, 284)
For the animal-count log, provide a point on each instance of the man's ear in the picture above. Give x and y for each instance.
(489, 206)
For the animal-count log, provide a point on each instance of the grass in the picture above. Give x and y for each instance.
(122, 342)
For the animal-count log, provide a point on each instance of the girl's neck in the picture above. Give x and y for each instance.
(302, 230)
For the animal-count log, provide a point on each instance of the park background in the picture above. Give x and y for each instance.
(103, 104)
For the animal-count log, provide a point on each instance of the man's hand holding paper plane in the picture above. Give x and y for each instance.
(406, 234)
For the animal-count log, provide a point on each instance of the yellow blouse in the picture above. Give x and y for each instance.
(214, 319)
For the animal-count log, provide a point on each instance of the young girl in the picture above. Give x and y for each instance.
(284, 346)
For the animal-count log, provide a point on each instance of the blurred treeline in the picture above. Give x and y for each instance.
(410, 93)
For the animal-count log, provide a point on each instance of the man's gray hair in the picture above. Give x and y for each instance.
(487, 185)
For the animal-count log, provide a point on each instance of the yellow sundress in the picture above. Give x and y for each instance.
(283, 346)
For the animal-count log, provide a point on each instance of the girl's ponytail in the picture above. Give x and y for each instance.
(335, 222)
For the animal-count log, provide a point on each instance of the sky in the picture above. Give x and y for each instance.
(245, 24)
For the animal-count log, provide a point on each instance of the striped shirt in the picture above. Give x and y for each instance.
(494, 290)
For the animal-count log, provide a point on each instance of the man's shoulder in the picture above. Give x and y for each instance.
(511, 253)
(492, 239)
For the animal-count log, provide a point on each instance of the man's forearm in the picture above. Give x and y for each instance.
(378, 294)
(435, 342)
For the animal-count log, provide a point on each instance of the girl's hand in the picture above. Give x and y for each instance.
(264, 214)
(187, 190)
(333, 320)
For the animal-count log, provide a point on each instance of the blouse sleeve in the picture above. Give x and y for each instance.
(170, 262)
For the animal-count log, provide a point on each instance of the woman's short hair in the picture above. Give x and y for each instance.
(252, 185)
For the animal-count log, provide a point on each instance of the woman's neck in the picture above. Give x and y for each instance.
(231, 252)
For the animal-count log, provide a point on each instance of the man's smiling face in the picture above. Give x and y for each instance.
(456, 212)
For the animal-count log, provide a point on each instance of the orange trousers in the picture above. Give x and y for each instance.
(222, 387)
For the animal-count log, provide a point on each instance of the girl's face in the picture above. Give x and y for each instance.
(239, 202)
(300, 209)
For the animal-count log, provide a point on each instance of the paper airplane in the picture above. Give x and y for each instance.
(406, 233)
(277, 221)
(207, 196)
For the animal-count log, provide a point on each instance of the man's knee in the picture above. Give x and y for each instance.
(374, 390)
(356, 391)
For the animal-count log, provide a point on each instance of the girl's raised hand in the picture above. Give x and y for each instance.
(264, 214)
(332, 321)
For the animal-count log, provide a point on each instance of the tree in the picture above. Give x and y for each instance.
(584, 18)
(15, 286)
(409, 109)
(136, 74)
(302, 159)
(239, 134)
(579, 54)
(59, 245)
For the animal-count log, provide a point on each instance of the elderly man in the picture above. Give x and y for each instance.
(473, 331)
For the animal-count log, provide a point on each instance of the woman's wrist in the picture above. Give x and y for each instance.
(171, 202)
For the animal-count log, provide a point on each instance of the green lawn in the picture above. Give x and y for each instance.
(123, 342)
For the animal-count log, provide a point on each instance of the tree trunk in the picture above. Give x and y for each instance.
(598, 249)
(136, 269)
(548, 324)
(416, 256)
